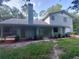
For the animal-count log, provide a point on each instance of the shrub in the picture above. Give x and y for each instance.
(17, 38)
(73, 33)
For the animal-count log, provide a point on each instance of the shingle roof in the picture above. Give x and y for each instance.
(22, 21)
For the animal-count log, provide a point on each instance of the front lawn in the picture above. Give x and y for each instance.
(39, 50)
(70, 48)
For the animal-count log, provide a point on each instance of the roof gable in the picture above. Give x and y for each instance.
(63, 11)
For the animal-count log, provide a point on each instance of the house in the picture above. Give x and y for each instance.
(61, 22)
(52, 25)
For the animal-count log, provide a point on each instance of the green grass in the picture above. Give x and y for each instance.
(71, 47)
(39, 50)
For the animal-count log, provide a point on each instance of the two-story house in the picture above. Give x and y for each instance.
(52, 25)
(61, 22)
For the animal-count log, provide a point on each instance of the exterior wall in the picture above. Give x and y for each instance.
(29, 33)
(47, 20)
(68, 30)
(25, 32)
(32, 32)
(58, 20)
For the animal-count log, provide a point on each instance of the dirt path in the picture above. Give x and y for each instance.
(55, 55)
(56, 51)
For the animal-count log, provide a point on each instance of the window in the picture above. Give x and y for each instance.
(53, 18)
(65, 19)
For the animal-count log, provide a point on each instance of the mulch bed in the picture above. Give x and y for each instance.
(7, 41)
(14, 41)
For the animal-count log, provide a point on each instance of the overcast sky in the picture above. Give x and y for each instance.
(41, 4)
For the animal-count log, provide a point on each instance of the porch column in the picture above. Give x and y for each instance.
(37, 31)
(61, 31)
(1, 33)
(19, 32)
(52, 32)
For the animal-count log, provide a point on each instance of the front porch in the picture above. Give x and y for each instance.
(24, 32)
(58, 32)
(30, 32)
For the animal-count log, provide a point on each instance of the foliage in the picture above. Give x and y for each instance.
(25, 11)
(54, 8)
(38, 50)
(76, 21)
(71, 47)
(5, 12)
(42, 12)
(75, 5)
(35, 14)
(73, 33)
(17, 38)
(15, 11)
(1, 1)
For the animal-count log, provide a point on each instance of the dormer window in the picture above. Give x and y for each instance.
(65, 19)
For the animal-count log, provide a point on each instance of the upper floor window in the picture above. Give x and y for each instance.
(65, 19)
(53, 18)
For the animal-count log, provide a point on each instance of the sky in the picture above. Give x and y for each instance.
(41, 4)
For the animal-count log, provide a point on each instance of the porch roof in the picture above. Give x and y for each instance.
(22, 22)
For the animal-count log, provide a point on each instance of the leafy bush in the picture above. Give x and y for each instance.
(73, 33)
(17, 38)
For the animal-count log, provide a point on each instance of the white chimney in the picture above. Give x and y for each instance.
(30, 13)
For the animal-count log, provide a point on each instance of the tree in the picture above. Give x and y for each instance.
(25, 11)
(1, 1)
(42, 12)
(5, 12)
(75, 5)
(76, 21)
(21, 16)
(35, 14)
(54, 8)
(15, 12)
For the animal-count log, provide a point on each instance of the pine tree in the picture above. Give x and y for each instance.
(75, 5)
